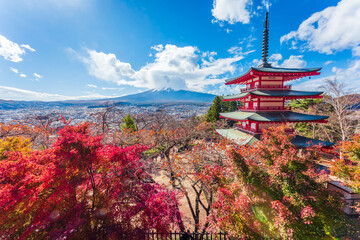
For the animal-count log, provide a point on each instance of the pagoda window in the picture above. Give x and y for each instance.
(255, 105)
(271, 84)
(268, 104)
(272, 78)
(246, 105)
(253, 126)
(243, 124)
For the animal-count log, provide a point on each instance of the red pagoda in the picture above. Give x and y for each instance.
(264, 98)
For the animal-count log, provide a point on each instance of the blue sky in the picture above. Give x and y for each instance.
(84, 49)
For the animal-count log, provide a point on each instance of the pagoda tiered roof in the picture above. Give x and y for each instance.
(242, 138)
(288, 94)
(272, 116)
(287, 73)
(264, 101)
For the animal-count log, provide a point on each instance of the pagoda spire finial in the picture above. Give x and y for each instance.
(265, 48)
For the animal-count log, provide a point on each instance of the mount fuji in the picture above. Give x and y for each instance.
(169, 95)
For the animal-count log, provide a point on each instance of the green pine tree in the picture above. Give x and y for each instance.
(233, 106)
(129, 123)
(219, 106)
(214, 111)
(308, 106)
(304, 104)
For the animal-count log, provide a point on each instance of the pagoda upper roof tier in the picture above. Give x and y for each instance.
(288, 94)
(287, 74)
(283, 116)
(242, 138)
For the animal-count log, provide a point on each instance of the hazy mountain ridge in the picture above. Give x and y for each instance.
(164, 96)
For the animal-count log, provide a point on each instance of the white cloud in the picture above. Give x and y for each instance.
(311, 85)
(108, 88)
(275, 57)
(27, 47)
(224, 90)
(14, 70)
(356, 51)
(11, 93)
(333, 29)
(248, 41)
(294, 61)
(107, 67)
(238, 51)
(266, 4)
(158, 48)
(328, 62)
(12, 51)
(37, 76)
(91, 86)
(232, 11)
(173, 67)
(349, 76)
(257, 62)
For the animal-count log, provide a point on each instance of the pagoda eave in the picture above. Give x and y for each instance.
(287, 76)
(266, 117)
(243, 138)
(293, 121)
(276, 122)
(285, 98)
(303, 97)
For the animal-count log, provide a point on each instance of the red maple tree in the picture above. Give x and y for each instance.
(81, 189)
(273, 190)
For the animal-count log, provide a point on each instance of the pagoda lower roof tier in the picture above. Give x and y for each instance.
(272, 116)
(288, 94)
(287, 74)
(238, 137)
(242, 138)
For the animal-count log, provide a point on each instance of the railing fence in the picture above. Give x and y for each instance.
(173, 236)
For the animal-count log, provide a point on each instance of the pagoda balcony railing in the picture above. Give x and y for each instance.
(265, 108)
(254, 131)
(266, 87)
(248, 129)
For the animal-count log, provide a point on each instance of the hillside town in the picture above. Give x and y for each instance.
(80, 114)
